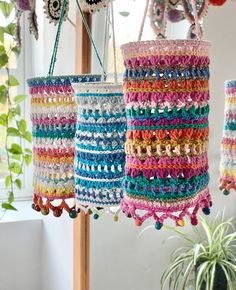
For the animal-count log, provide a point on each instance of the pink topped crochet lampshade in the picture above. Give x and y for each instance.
(166, 87)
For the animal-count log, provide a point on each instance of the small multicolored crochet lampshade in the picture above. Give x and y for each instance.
(99, 149)
(166, 86)
(228, 144)
(54, 115)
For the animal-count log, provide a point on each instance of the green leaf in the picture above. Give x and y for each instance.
(28, 159)
(124, 13)
(6, 8)
(27, 136)
(19, 98)
(18, 183)
(16, 157)
(15, 167)
(15, 149)
(12, 81)
(27, 150)
(3, 56)
(2, 34)
(8, 181)
(10, 29)
(16, 50)
(17, 110)
(10, 197)
(3, 94)
(8, 206)
(3, 120)
(11, 131)
(22, 125)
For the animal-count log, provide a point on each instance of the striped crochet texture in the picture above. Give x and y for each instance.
(53, 115)
(228, 144)
(100, 138)
(167, 105)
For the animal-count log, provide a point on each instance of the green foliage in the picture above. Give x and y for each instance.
(11, 121)
(213, 250)
(6, 8)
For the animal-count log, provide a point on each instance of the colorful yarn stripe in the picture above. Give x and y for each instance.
(228, 143)
(99, 151)
(166, 85)
(53, 114)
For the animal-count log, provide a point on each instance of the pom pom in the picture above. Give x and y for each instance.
(175, 15)
(115, 218)
(181, 223)
(73, 214)
(158, 225)
(44, 211)
(226, 192)
(194, 221)
(217, 2)
(95, 216)
(138, 222)
(206, 210)
(57, 212)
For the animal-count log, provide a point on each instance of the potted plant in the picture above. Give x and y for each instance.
(210, 259)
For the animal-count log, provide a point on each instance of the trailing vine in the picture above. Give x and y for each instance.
(12, 124)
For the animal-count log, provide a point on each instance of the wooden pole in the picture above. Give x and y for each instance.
(81, 243)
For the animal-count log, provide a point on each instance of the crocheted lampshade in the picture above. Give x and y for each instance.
(53, 115)
(228, 144)
(99, 150)
(166, 94)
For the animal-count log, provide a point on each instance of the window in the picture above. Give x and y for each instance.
(17, 68)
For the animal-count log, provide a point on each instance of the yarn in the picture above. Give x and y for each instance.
(99, 149)
(166, 86)
(53, 115)
(228, 143)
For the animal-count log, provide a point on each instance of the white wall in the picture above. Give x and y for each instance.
(121, 257)
(36, 252)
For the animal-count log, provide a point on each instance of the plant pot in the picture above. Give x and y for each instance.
(166, 87)
(54, 115)
(220, 281)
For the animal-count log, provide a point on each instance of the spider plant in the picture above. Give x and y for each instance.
(210, 258)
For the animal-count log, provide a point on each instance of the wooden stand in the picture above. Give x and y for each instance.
(81, 243)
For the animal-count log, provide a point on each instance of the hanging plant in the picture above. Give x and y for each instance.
(12, 125)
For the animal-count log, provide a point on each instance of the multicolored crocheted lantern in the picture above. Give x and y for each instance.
(167, 103)
(53, 115)
(228, 144)
(99, 150)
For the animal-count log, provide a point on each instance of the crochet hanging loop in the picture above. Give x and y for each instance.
(57, 39)
(195, 16)
(90, 35)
